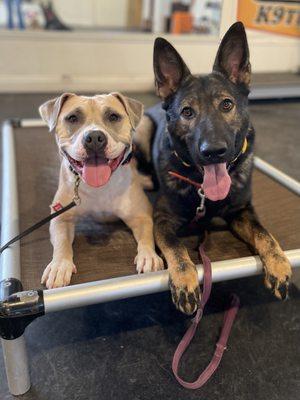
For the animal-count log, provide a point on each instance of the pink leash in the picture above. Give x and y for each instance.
(229, 318)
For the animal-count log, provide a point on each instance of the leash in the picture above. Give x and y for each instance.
(200, 211)
(221, 345)
(59, 209)
(229, 315)
(185, 179)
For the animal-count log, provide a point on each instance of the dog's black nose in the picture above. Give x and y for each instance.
(94, 140)
(213, 152)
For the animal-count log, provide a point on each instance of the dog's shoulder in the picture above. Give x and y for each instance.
(157, 114)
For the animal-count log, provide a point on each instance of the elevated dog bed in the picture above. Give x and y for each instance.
(104, 253)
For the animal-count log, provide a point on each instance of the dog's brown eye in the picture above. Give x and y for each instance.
(187, 112)
(72, 118)
(113, 117)
(226, 105)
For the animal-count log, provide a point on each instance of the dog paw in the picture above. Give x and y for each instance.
(277, 275)
(148, 261)
(58, 273)
(185, 290)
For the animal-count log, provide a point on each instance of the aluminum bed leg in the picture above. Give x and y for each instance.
(16, 365)
(14, 351)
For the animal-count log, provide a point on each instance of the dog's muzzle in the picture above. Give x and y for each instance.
(95, 142)
(96, 169)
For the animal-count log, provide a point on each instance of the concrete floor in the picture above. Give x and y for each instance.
(123, 350)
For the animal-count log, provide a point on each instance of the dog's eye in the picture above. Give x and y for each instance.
(187, 112)
(226, 105)
(72, 118)
(114, 117)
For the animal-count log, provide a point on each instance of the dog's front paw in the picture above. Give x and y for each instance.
(58, 273)
(148, 261)
(277, 274)
(184, 286)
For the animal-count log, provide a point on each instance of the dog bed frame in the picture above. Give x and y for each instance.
(29, 180)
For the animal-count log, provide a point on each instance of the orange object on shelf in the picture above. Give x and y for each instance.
(181, 22)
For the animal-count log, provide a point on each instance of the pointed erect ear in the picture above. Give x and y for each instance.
(50, 110)
(232, 58)
(133, 108)
(169, 68)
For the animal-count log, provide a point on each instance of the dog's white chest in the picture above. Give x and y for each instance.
(104, 202)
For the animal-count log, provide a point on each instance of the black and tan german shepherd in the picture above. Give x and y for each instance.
(202, 131)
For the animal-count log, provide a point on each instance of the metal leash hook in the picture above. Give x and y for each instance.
(76, 197)
(200, 211)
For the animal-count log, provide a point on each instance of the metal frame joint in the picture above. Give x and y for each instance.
(18, 308)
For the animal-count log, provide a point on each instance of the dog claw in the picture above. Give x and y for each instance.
(280, 288)
(185, 301)
(58, 274)
(148, 261)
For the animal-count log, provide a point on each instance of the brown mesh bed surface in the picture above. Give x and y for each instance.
(103, 251)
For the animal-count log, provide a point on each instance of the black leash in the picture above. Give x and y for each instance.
(74, 202)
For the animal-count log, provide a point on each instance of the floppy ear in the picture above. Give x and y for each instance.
(232, 58)
(133, 108)
(50, 110)
(169, 68)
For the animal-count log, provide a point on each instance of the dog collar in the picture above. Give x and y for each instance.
(181, 160)
(127, 159)
(243, 150)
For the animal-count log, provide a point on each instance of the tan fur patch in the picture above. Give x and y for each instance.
(94, 110)
(142, 136)
(276, 265)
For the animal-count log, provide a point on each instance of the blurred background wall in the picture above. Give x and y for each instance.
(99, 45)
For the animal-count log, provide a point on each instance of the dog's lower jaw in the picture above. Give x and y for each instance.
(94, 170)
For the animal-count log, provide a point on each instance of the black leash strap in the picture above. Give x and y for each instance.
(74, 202)
(38, 225)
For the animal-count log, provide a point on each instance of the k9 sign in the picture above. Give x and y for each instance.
(281, 17)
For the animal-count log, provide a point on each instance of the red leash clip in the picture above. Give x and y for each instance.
(56, 207)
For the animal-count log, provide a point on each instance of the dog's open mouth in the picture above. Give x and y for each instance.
(216, 181)
(95, 171)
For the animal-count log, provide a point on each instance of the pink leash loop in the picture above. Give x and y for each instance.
(229, 318)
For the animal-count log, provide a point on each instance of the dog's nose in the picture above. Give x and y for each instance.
(213, 152)
(94, 140)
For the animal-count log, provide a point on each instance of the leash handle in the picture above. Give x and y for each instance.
(229, 318)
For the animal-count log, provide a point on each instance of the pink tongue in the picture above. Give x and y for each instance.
(216, 181)
(96, 175)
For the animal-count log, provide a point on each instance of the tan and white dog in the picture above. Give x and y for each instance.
(94, 137)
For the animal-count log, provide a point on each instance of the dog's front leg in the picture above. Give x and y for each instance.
(142, 228)
(276, 265)
(58, 273)
(135, 210)
(183, 276)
